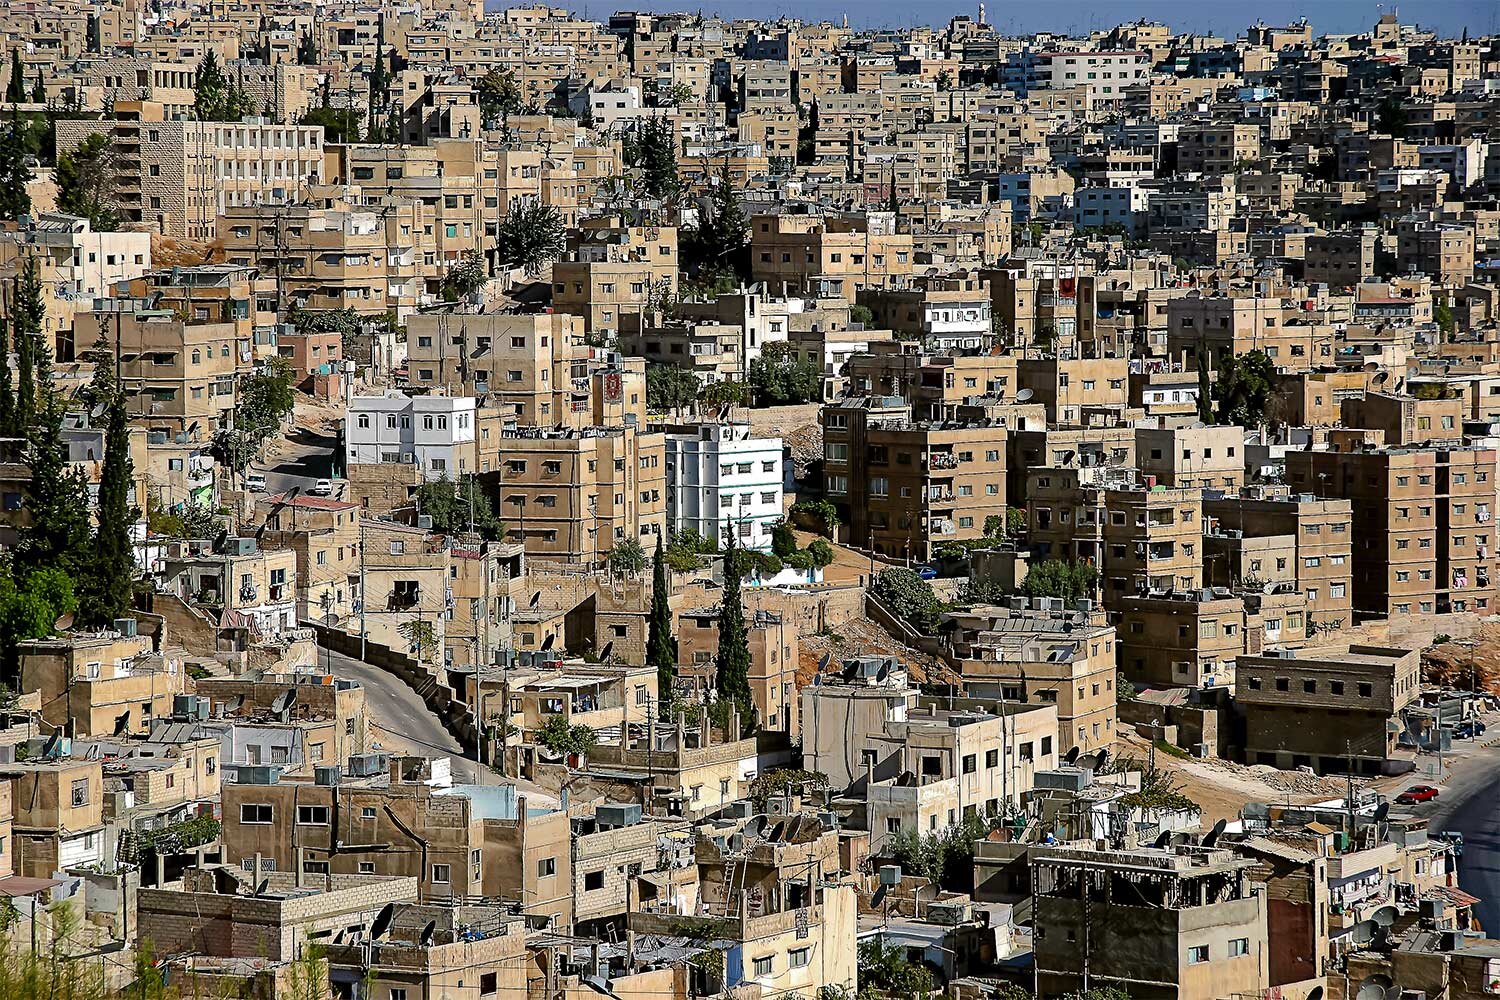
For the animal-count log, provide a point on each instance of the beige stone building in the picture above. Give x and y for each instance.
(829, 255)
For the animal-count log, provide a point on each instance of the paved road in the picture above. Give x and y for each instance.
(1469, 802)
(307, 457)
(402, 720)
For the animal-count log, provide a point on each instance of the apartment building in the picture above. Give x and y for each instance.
(720, 478)
(435, 434)
(1287, 698)
(613, 268)
(1140, 536)
(950, 314)
(1211, 457)
(1340, 259)
(57, 814)
(903, 486)
(829, 256)
(334, 254)
(1184, 638)
(936, 385)
(107, 683)
(1173, 924)
(1443, 252)
(1043, 654)
(1320, 562)
(1421, 520)
(178, 176)
(1217, 147)
(245, 585)
(324, 534)
(573, 495)
(1228, 326)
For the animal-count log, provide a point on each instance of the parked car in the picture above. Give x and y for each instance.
(1468, 730)
(1417, 793)
(322, 488)
(927, 572)
(255, 482)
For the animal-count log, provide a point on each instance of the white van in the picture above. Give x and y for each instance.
(255, 482)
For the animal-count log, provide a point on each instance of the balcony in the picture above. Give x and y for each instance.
(941, 460)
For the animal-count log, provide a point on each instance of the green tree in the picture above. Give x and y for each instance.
(661, 650)
(780, 378)
(7, 387)
(216, 98)
(721, 242)
(307, 49)
(379, 81)
(53, 966)
(732, 664)
(1442, 314)
(651, 150)
(111, 580)
(15, 172)
(686, 551)
(499, 95)
(558, 736)
(1205, 389)
(944, 80)
(627, 558)
(532, 236)
(30, 605)
(467, 276)
(453, 507)
(86, 182)
(669, 388)
(57, 494)
(15, 87)
(905, 595)
(29, 316)
(420, 637)
(340, 125)
(887, 971)
(1391, 117)
(1070, 581)
(1244, 388)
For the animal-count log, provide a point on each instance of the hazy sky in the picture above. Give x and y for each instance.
(1222, 17)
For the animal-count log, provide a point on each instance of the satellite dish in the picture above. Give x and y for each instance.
(122, 723)
(382, 921)
(1071, 757)
(428, 932)
(598, 984)
(1163, 839)
(1316, 993)
(1384, 917)
(1380, 377)
(883, 672)
(826, 659)
(1215, 834)
(97, 411)
(1371, 366)
(283, 701)
(1103, 759)
(1362, 934)
(234, 704)
(547, 642)
(50, 746)
(879, 894)
(609, 647)
(754, 825)
(1024, 395)
(1382, 811)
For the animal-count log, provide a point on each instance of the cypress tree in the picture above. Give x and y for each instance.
(7, 388)
(732, 666)
(661, 651)
(57, 495)
(108, 589)
(26, 382)
(1205, 390)
(15, 89)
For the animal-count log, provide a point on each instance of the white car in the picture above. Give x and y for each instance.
(255, 482)
(322, 488)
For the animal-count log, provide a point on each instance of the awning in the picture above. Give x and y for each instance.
(20, 885)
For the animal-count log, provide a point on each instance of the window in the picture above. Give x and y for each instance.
(593, 880)
(970, 763)
(489, 982)
(1366, 689)
(546, 868)
(991, 758)
(80, 792)
(1239, 946)
(256, 812)
(442, 873)
(312, 815)
(1198, 954)
(315, 868)
(763, 966)
(798, 957)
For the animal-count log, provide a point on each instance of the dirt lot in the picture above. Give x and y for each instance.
(1223, 787)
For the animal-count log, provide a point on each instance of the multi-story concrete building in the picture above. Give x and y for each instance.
(1211, 457)
(436, 434)
(829, 256)
(179, 176)
(949, 315)
(904, 487)
(575, 495)
(1367, 688)
(246, 585)
(1168, 924)
(1422, 521)
(1045, 654)
(720, 478)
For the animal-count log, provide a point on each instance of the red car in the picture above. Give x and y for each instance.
(1417, 793)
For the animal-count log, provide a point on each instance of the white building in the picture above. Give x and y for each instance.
(717, 473)
(1116, 204)
(434, 432)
